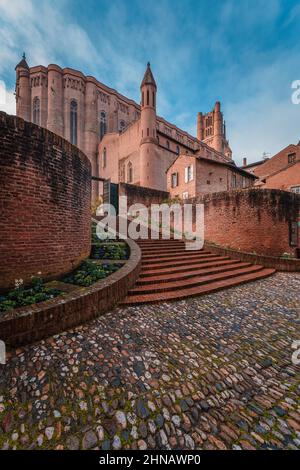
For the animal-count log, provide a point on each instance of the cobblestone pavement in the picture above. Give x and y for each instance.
(213, 372)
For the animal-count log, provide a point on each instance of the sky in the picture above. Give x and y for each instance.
(244, 53)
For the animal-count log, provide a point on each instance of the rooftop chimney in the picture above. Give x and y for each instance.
(244, 161)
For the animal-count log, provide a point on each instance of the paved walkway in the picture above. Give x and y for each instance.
(212, 372)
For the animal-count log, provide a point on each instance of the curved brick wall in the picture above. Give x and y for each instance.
(44, 202)
(251, 220)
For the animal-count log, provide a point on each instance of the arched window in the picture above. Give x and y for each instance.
(129, 173)
(153, 99)
(36, 111)
(147, 97)
(177, 149)
(104, 158)
(73, 122)
(102, 124)
(168, 144)
(122, 125)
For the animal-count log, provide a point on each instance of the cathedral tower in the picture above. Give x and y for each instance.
(211, 130)
(148, 141)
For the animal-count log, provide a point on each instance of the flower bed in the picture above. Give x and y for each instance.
(20, 297)
(110, 250)
(90, 272)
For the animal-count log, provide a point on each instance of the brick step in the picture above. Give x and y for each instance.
(161, 244)
(197, 290)
(160, 241)
(182, 268)
(190, 273)
(161, 254)
(155, 260)
(192, 282)
(164, 264)
(169, 250)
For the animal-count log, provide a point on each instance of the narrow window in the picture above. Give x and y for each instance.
(233, 180)
(147, 131)
(177, 149)
(168, 144)
(129, 173)
(142, 98)
(291, 158)
(36, 111)
(102, 124)
(73, 122)
(122, 125)
(104, 158)
(147, 97)
(174, 180)
(153, 99)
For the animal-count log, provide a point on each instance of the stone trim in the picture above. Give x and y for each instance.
(280, 264)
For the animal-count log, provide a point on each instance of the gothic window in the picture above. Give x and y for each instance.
(147, 97)
(104, 158)
(168, 144)
(129, 173)
(103, 129)
(177, 149)
(122, 125)
(73, 122)
(36, 110)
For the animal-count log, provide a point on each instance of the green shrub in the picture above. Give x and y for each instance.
(88, 273)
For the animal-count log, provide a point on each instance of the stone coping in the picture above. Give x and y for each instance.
(280, 264)
(29, 324)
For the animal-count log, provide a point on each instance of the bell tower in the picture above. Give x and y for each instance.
(148, 136)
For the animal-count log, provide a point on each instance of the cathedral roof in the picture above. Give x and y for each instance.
(23, 62)
(148, 77)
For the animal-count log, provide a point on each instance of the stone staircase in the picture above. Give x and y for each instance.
(169, 272)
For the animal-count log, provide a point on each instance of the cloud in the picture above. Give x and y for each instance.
(7, 99)
(241, 53)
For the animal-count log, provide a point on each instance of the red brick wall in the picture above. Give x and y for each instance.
(140, 195)
(44, 202)
(253, 220)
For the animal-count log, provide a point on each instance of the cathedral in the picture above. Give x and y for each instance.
(125, 141)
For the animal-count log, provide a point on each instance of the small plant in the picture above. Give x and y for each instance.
(88, 273)
(21, 296)
(116, 251)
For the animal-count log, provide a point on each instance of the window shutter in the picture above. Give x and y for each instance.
(186, 175)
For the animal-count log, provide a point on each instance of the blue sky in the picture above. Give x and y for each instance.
(244, 53)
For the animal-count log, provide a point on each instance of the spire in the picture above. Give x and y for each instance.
(148, 77)
(23, 64)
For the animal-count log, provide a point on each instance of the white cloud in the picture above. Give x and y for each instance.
(7, 99)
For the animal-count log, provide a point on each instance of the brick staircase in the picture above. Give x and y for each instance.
(169, 272)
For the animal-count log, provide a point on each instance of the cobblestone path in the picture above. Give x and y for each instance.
(213, 372)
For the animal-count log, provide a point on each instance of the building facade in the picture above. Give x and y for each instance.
(282, 171)
(190, 176)
(125, 141)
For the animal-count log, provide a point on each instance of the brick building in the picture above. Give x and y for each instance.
(282, 171)
(125, 141)
(190, 176)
